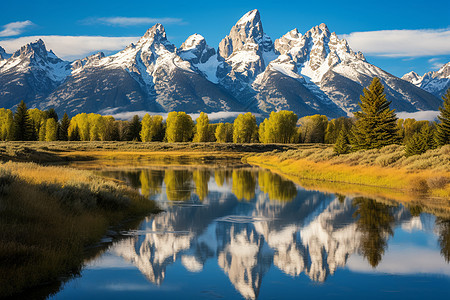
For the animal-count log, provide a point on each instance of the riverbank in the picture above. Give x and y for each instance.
(372, 171)
(63, 152)
(50, 215)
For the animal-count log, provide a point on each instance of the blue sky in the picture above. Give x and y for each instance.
(422, 44)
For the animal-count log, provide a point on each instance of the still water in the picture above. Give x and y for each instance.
(249, 233)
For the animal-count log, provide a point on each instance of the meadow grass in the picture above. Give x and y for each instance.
(49, 215)
(387, 167)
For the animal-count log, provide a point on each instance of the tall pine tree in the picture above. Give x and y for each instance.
(63, 134)
(23, 126)
(443, 128)
(134, 129)
(376, 123)
(342, 143)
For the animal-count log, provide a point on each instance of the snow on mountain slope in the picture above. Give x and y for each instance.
(314, 73)
(148, 75)
(30, 74)
(435, 82)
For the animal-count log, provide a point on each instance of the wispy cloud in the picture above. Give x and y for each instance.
(126, 21)
(15, 28)
(72, 47)
(401, 43)
(435, 63)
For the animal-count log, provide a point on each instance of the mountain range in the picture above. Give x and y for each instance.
(311, 73)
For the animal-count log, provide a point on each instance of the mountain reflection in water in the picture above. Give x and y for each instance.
(248, 220)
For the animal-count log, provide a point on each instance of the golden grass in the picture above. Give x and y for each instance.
(428, 173)
(48, 215)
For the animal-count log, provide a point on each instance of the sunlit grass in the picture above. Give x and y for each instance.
(386, 167)
(48, 215)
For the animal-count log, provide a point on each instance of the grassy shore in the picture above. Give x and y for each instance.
(49, 216)
(426, 175)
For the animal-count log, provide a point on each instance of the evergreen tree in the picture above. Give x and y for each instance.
(443, 128)
(342, 143)
(376, 123)
(23, 128)
(134, 129)
(51, 113)
(75, 134)
(420, 142)
(63, 134)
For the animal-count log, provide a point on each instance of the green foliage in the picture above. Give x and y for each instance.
(342, 145)
(151, 127)
(443, 128)
(224, 133)
(134, 129)
(420, 142)
(179, 127)
(279, 128)
(51, 130)
(245, 129)
(74, 135)
(202, 129)
(376, 123)
(93, 127)
(375, 225)
(6, 124)
(23, 126)
(51, 113)
(408, 127)
(63, 134)
(178, 184)
(276, 187)
(335, 127)
(201, 179)
(313, 128)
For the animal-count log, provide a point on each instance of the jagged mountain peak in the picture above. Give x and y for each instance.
(196, 50)
(156, 31)
(435, 82)
(37, 47)
(250, 18)
(3, 54)
(193, 41)
(248, 34)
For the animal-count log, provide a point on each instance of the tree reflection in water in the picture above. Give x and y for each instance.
(201, 179)
(375, 225)
(151, 182)
(443, 229)
(244, 184)
(276, 187)
(178, 184)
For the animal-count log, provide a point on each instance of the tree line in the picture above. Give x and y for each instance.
(374, 126)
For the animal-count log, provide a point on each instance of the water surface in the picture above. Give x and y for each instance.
(249, 233)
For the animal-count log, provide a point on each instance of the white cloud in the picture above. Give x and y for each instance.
(15, 28)
(125, 21)
(426, 115)
(401, 43)
(72, 47)
(435, 63)
(404, 259)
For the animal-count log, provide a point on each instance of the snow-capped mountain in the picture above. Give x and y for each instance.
(314, 73)
(435, 82)
(30, 74)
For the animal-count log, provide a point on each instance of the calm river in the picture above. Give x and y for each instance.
(248, 233)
